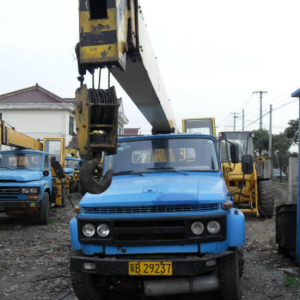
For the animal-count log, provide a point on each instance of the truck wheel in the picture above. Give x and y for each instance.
(89, 286)
(45, 209)
(265, 199)
(230, 275)
(75, 186)
(81, 190)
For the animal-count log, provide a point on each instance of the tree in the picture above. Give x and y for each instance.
(261, 141)
(281, 146)
(292, 132)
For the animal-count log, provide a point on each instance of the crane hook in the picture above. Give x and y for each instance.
(87, 178)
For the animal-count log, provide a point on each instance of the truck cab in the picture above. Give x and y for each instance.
(25, 183)
(72, 164)
(166, 224)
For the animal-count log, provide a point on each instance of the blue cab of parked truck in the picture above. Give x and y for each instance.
(72, 164)
(167, 224)
(25, 183)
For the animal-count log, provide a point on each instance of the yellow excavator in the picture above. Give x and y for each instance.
(253, 193)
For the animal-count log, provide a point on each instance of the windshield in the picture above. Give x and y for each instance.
(175, 154)
(241, 139)
(71, 163)
(21, 161)
(199, 126)
(54, 147)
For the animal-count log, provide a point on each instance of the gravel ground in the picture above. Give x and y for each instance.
(34, 262)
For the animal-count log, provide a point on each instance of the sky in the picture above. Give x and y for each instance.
(212, 54)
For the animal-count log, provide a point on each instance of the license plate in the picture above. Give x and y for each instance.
(150, 268)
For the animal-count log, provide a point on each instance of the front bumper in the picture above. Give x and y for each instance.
(118, 266)
(19, 204)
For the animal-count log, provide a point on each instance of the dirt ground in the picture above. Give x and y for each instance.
(34, 262)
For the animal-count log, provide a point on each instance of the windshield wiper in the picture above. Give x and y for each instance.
(128, 172)
(9, 168)
(167, 168)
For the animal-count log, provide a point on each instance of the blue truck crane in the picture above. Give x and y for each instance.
(160, 219)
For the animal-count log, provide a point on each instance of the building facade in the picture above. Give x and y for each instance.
(39, 113)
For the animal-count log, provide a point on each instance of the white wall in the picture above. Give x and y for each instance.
(39, 123)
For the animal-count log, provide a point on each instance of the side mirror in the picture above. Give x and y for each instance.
(46, 173)
(247, 164)
(234, 153)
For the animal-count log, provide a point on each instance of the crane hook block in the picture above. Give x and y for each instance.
(96, 115)
(87, 178)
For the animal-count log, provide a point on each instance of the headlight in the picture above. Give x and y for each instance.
(103, 230)
(213, 227)
(30, 190)
(88, 230)
(33, 190)
(25, 191)
(197, 228)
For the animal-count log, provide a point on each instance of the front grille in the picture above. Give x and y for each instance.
(150, 209)
(153, 231)
(9, 191)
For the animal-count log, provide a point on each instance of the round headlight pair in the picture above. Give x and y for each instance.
(89, 230)
(213, 227)
(29, 190)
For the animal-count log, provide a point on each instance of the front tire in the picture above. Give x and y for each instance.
(45, 209)
(230, 277)
(89, 286)
(265, 199)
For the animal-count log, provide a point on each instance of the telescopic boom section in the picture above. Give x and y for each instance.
(10, 137)
(113, 35)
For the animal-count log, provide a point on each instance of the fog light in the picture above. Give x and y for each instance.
(213, 227)
(211, 263)
(197, 228)
(89, 266)
(88, 230)
(103, 230)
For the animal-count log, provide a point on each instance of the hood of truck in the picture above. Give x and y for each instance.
(69, 170)
(163, 189)
(20, 175)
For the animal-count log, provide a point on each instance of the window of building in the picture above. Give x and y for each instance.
(71, 125)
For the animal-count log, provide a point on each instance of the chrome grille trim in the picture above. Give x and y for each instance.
(150, 209)
(9, 190)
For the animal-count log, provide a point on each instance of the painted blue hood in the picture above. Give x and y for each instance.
(20, 175)
(162, 189)
(69, 170)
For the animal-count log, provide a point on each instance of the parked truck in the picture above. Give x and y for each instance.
(160, 219)
(31, 174)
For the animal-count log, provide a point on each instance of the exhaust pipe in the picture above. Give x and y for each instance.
(184, 285)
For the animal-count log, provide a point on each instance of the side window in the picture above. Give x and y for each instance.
(71, 125)
(46, 162)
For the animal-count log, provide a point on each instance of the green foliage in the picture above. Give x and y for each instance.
(291, 281)
(52, 222)
(292, 132)
(261, 141)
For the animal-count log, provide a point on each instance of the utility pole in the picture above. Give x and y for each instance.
(243, 120)
(270, 133)
(260, 107)
(234, 117)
